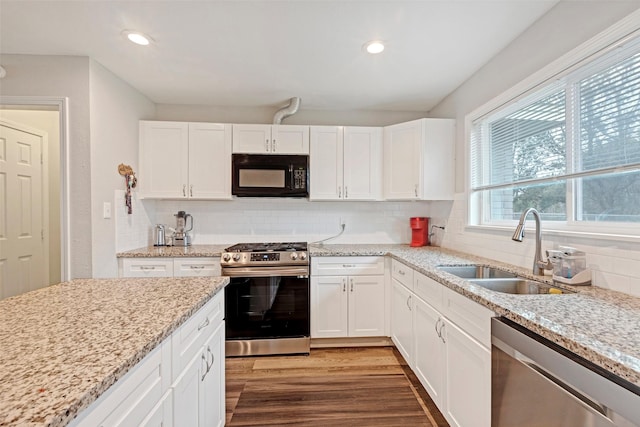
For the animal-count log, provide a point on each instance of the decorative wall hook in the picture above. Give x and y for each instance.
(130, 182)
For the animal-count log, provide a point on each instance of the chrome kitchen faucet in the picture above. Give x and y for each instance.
(539, 266)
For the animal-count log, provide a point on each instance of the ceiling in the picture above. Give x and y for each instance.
(260, 53)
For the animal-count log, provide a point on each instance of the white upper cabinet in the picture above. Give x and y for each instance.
(345, 163)
(185, 160)
(419, 160)
(271, 139)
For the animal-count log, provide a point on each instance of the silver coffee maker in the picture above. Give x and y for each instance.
(181, 237)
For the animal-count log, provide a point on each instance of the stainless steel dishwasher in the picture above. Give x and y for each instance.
(538, 383)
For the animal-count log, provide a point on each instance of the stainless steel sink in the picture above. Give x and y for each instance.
(519, 286)
(475, 271)
(501, 281)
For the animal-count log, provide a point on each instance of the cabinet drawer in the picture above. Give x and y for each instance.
(147, 267)
(347, 266)
(191, 336)
(428, 289)
(196, 267)
(402, 273)
(468, 315)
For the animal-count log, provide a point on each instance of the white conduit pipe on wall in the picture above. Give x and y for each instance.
(291, 109)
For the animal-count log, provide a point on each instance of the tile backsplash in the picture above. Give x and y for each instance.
(252, 219)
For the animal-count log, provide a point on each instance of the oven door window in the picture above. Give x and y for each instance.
(267, 307)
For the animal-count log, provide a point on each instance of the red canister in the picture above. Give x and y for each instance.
(419, 231)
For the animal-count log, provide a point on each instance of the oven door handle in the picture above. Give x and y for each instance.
(301, 272)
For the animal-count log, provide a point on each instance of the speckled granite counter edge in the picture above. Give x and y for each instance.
(174, 251)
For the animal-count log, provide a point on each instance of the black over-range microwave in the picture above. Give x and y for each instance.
(260, 175)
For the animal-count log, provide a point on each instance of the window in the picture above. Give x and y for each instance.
(571, 150)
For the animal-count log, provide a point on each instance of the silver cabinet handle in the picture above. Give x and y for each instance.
(352, 285)
(415, 190)
(147, 267)
(204, 324)
(344, 285)
(196, 267)
(273, 146)
(184, 190)
(266, 146)
(346, 192)
(206, 371)
(401, 272)
(409, 302)
(348, 265)
(436, 326)
(191, 190)
(213, 358)
(440, 332)
(339, 192)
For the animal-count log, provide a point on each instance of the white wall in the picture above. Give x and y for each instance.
(201, 113)
(116, 109)
(63, 76)
(49, 122)
(615, 263)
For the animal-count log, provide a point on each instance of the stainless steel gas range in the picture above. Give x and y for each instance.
(267, 299)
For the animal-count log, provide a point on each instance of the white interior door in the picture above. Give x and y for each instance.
(22, 260)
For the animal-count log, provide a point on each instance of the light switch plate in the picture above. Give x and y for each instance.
(106, 210)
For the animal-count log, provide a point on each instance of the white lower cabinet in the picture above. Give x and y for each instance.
(402, 320)
(348, 305)
(165, 389)
(198, 393)
(169, 267)
(453, 364)
(467, 379)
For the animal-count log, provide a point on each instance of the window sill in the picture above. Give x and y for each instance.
(546, 231)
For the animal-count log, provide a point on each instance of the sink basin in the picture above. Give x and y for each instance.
(475, 271)
(519, 286)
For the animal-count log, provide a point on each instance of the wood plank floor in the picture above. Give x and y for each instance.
(370, 386)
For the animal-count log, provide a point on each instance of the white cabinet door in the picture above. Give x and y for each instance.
(209, 161)
(271, 139)
(429, 350)
(419, 160)
(186, 392)
(325, 162)
(162, 414)
(467, 378)
(402, 161)
(252, 139)
(366, 306)
(212, 382)
(329, 307)
(362, 163)
(290, 139)
(164, 154)
(402, 320)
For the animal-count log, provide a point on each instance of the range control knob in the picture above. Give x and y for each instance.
(303, 256)
(294, 256)
(226, 257)
(236, 257)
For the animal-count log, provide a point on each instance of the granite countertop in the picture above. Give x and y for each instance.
(64, 345)
(600, 325)
(174, 251)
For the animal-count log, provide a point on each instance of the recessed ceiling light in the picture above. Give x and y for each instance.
(137, 37)
(374, 47)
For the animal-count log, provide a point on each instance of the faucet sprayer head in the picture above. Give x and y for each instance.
(518, 235)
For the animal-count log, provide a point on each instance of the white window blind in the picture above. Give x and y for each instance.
(571, 150)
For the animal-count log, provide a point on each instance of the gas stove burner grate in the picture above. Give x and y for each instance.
(268, 247)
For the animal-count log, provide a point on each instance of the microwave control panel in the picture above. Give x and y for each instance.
(299, 179)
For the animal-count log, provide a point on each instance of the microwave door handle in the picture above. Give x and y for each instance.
(292, 182)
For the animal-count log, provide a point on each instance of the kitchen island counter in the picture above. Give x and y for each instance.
(598, 324)
(62, 346)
